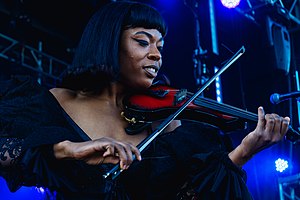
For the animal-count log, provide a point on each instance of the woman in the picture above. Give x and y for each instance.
(68, 138)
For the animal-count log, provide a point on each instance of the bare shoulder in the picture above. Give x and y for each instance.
(63, 94)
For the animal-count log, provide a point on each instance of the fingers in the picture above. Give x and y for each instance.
(124, 156)
(121, 152)
(285, 125)
(261, 118)
(272, 127)
(272, 122)
(130, 153)
(277, 124)
(109, 150)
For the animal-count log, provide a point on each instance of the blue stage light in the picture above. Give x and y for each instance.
(281, 165)
(218, 87)
(230, 3)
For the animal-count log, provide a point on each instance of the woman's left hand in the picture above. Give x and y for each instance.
(270, 129)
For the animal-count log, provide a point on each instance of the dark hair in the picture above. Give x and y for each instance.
(96, 60)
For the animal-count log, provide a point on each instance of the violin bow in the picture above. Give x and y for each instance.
(115, 171)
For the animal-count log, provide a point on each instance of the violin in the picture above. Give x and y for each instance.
(160, 101)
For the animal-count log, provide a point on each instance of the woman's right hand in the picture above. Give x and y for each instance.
(94, 152)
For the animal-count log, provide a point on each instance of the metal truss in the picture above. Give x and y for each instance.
(289, 187)
(31, 58)
(288, 11)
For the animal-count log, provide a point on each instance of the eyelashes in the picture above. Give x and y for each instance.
(144, 43)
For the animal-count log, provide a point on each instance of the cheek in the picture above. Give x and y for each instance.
(128, 69)
(135, 53)
(129, 55)
(132, 59)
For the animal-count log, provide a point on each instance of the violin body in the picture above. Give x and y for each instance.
(161, 101)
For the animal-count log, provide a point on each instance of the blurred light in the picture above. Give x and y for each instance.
(281, 165)
(166, 2)
(40, 190)
(218, 88)
(230, 3)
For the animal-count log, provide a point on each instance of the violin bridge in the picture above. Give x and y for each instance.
(180, 96)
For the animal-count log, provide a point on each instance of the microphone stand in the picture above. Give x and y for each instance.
(199, 55)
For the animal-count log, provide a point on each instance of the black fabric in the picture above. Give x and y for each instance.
(189, 163)
(26, 113)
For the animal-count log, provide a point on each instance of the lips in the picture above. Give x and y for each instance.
(151, 70)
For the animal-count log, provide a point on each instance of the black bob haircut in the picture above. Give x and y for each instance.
(96, 60)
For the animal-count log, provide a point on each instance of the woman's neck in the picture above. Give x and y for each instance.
(112, 94)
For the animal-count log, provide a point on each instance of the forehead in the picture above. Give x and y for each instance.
(150, 33)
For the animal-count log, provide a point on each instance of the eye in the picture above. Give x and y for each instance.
(160, 49)
(143, 43)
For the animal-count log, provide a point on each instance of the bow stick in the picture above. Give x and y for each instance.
(115, 171)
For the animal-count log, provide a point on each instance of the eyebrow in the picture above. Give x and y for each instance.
(147, 34)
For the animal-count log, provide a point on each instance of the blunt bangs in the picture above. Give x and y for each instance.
(145, 17)
(96, 60)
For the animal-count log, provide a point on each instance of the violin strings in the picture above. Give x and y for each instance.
(200, 101)
(225, 108)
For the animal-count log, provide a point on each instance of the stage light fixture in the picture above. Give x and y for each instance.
(281, 165)
(230, 3)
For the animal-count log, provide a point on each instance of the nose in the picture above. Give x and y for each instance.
(154, 54)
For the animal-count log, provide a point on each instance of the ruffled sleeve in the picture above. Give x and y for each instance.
(30, 121)
(10, 150)
(214, 176)
(203, 151)
(30, 112)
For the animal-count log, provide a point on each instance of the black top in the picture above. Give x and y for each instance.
(190, 162)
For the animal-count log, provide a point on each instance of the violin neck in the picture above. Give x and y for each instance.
(226, 109)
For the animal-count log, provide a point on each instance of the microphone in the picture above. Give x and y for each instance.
(277, 98)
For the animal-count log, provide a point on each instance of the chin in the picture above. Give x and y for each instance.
(148, 84)
(138, 84)
(143, 86)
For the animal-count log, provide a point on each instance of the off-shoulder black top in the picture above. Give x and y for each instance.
(190, 162)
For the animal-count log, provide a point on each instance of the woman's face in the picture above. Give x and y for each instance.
(140, 56)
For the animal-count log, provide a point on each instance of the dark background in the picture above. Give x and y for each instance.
(248, 83)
